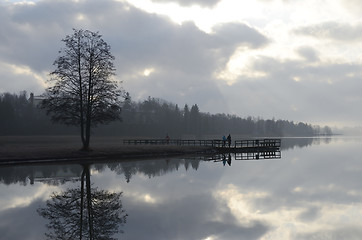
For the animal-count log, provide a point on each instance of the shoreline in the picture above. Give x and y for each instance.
(55, 149)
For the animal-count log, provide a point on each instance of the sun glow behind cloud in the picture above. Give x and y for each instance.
(148, 71)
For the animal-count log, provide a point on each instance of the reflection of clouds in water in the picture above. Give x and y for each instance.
(307, 193)
(22, 223)
(26, 196)
(145, 197)
(240, 204)
(293, 221)
(319, 196)
(195, 216)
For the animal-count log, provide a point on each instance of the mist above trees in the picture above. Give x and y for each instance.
(152, 118)
(156, 117)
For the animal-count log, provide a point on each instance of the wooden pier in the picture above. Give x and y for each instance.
(261, 155)
(254, 145)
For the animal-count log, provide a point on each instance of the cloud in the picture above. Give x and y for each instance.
(237, 33)
(203, 3)
(180, 55)
(310, 214)
(280, 74)
(332, 31)
(309, 91)
(17, 75)
(308, 53)
(353, 6)
(333, 234)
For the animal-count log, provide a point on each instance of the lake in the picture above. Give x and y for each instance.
(314, 191)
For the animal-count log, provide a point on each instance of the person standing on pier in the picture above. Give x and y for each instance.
(223, 141)
(167, 139)
(229, 140)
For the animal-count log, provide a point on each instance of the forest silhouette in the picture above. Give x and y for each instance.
(152, 117)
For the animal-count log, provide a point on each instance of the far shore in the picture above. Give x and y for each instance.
(31, 149)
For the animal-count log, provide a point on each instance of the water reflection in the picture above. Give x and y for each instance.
(79, 214)
(48, 174)
(55, 174)
(300, 142)
(305, 195)
(258, 155)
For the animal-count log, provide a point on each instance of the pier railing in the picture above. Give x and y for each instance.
(263, 143)
(255, 143)
(179, 142)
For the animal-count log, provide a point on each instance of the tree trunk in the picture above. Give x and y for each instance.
(89, 105)
(81, 101)
(89, 203)
(87, 137)
(81, 205)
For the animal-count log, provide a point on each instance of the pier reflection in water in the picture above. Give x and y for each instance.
(304, 194)
(259, 155)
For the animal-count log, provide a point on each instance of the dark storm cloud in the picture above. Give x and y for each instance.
(332, 30)
(204, 3)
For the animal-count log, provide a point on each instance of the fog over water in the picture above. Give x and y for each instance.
(313, 191)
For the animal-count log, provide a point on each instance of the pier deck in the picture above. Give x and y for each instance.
(254, 145)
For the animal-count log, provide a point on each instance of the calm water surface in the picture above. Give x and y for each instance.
(313, 192)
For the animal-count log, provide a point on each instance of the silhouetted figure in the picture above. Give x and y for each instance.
(224, 159)
(223, 141)
(229, 140)
(229, 159)
(167, 139)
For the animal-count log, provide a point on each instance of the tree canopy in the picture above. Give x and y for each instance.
(82, 91)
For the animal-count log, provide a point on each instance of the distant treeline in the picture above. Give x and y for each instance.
(20, 116)
(152, 117)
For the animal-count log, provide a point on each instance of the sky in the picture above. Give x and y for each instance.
(283, 59)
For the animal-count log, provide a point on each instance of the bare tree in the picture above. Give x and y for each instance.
(83, 92)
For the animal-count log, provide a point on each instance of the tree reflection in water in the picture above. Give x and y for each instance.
(91, 214)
